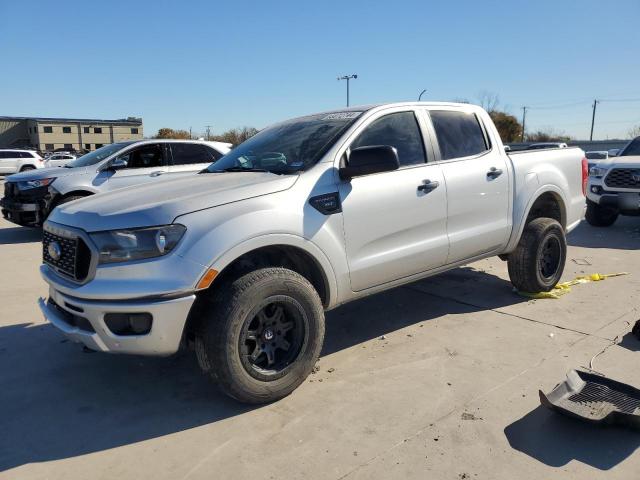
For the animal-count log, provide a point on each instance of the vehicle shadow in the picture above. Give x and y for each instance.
(555, 440)
(14, 235)
(630, 342)
(622, 235)
(58, 402)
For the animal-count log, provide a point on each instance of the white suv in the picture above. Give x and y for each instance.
(59, 159)
(14, 161)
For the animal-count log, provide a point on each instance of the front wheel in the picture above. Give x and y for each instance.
(260, 334)
(537, 263)
(599, 216)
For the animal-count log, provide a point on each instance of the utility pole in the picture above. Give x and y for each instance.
(347, 78)
(190, 136)
(421, 93)
(208, 127)
(593, 117)
(524, 119)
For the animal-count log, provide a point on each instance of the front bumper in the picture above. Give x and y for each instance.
(169, 319)
(28, 214)
(625, 202)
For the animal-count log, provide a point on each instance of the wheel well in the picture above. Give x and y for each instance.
(285, 256)
(27, 167)
(548, 205)
(75, 193)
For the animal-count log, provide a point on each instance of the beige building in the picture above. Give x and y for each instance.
(48, 134)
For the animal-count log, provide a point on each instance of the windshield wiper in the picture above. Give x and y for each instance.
(235, 169)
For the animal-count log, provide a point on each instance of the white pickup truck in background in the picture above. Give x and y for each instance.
(242, 259)
(614, 186)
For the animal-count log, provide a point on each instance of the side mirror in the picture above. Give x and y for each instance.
(614, 152)
(368, 160)
(118, 164)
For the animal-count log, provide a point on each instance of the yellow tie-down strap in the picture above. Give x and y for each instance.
(565, 287)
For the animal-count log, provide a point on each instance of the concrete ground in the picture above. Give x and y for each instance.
(438, 379)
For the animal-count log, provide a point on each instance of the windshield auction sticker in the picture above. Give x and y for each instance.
(341, 116)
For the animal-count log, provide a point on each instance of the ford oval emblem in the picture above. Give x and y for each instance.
(54, 250)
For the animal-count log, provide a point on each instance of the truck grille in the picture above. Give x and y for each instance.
(623, 178)
(69, 256)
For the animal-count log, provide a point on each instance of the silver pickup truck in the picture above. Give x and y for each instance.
(241, 260)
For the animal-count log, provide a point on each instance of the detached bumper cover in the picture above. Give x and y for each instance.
(169, 318)
(595, 399)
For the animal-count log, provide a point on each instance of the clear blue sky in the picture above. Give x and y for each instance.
(227, 64)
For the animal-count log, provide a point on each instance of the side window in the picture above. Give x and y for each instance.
(147, 156)
(399, 130)
(189, 153)
(4, 155)
(213, 154)
(26, 154)
(459, 134)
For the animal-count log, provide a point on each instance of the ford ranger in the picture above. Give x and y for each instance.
(242, 260)
(614, 187)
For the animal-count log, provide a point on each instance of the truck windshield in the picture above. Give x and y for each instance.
(97, 155)
(287, 147)
(633, 148)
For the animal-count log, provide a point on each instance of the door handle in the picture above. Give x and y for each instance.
(156, 174)
(427, 186)
(494, 172)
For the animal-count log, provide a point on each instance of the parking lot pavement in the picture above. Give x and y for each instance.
(451, 391)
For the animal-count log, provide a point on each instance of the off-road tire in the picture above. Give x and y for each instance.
(525, 264)
(599, 216)
(222, 318)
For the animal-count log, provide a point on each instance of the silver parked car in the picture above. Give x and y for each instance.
(29, 197)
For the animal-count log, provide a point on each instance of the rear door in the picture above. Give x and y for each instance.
(5, 163)
(10, 161)
(145, 163)
(187, 158)
(478, 185)
(393, 226)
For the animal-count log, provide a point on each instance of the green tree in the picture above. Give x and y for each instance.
(236, 135)
(171, 133)
(509, 128)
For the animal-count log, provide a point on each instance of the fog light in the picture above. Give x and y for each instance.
(596, 189)
(129, 323)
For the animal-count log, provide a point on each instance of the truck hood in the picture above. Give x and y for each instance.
(630, 161)
(40, 173)
(159, 203)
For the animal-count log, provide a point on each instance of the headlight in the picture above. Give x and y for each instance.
(597, 172)
(28, 184)
(137, 244)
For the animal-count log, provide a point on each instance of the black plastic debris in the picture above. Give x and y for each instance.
(636, 330)
(595, 399)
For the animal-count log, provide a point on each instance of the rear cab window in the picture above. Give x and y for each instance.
(459, 134)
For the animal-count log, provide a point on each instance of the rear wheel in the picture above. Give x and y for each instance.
(260, 334)
(26, 168)
(599, 216)
(537, 263)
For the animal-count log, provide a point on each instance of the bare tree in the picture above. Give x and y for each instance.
(634, 132)
(489, 100)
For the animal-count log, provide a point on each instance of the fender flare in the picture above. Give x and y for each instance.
(268, 240)
(549, 188)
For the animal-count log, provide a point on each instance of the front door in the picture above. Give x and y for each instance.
(393, 226)
(478, 189)
(145, 164)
